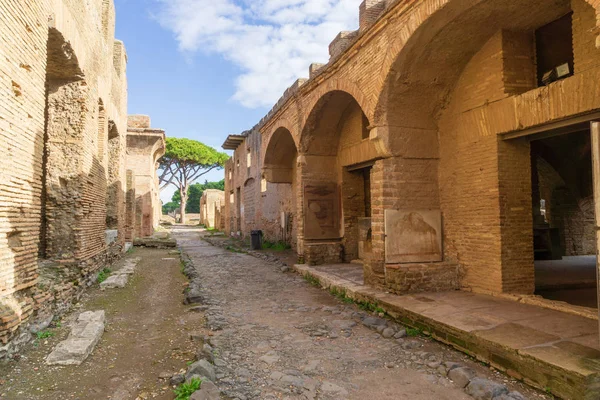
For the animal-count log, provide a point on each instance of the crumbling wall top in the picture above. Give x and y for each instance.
(138, 121)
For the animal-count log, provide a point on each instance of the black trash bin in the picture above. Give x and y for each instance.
(257, 237)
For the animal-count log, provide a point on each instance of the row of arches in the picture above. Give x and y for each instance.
(459, 76)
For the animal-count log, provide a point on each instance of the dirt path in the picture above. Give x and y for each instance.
(147, 335)
(277, 337)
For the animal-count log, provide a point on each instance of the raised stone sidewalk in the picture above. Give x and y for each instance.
(548, 349)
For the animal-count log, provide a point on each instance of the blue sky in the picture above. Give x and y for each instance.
(203, 69)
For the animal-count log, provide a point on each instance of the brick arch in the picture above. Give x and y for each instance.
(280, 157)
(333, 85)
(326, 107)
(281, 123)
(447, 33)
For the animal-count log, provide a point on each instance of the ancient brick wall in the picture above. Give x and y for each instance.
(145, 146)
(261, 203)
(241, 194)
(210, 203)
(566, 210)
(439, 84)
(61, 88)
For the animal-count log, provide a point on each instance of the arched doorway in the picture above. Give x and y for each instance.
(467, 77)
(279, 188)
(337, 161)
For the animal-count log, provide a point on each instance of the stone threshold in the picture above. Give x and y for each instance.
(553, 351)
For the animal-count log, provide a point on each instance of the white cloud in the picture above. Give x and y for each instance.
(272, 42)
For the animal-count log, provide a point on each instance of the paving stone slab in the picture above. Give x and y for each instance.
(84, 336)
(115, 282)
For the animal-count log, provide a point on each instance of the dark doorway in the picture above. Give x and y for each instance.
(356, 197)
(564, 218)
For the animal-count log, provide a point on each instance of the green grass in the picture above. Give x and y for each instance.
(341, 295)
(103, 275)
(275, 246)
(233, 249)
(370, 307)
(44, 334)
(313, 280)
(185, 390)
(413, 332)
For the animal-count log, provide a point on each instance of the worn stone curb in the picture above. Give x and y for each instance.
(499, 357)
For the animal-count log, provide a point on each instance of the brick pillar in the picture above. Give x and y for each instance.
(299, 193)
(595, 139)
(130, 206)
(516, 221)
(374, 263)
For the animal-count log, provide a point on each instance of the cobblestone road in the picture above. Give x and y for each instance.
(278, 337)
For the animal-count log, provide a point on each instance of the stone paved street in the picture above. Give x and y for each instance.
(275, 336)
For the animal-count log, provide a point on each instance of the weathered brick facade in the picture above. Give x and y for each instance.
(63, 128)
(422, 101)
(211, 203)
(145, 146)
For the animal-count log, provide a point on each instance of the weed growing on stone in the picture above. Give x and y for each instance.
(341, 295)
(275, 246)
(103, 275)
(185, 390)
(414, 332)
(313, 280)
(235, 250)
(370, 307)
(131, 250)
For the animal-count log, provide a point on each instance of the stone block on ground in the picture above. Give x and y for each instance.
(128, 267)
(201, 368)
(511, 396)
(115, 282)
(177, 379)
(84, 336)
(156, 243)
(461, 376)
(483, 389)
(208, 391)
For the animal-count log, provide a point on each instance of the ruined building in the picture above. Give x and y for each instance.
(251, 202)
(64, 190)
(145, 146)
(212, 203)
(445, 145)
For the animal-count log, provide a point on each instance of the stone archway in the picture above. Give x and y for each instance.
(461, 75)
(279, 188)
(336, 161)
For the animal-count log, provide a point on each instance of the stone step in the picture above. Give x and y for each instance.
(84, 336)
(547, 349)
